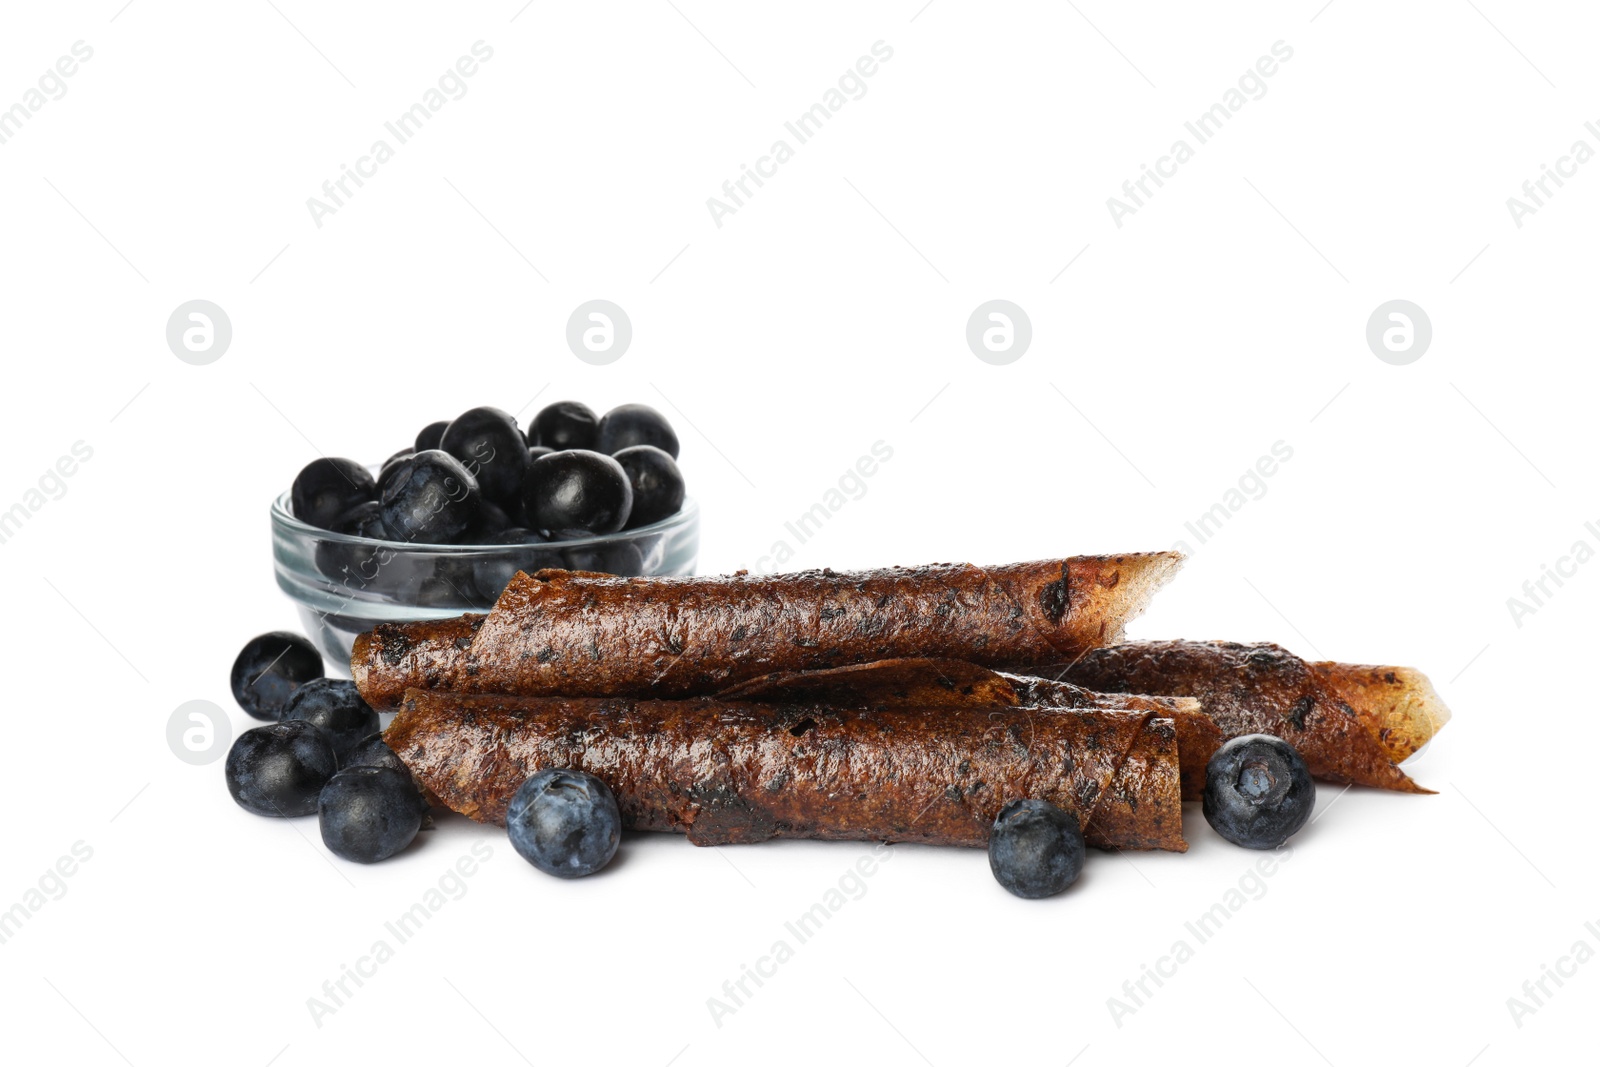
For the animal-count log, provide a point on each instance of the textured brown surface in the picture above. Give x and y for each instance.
(561, 632)
(724, 771)
(1350, 723)
(930, 683)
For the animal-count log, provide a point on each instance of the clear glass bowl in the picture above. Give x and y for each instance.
(345, 585)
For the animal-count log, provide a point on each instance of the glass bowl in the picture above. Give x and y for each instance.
(345, 585)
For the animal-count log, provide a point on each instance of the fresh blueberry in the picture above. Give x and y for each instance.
(269, 669)
(431, 499)
(613, 557)
(577, 492)
(491, 576)
(1035, 848)
(565, 823)
(327, 488)
(488, 443)
(448, 583)
(491, 522)
(1258, 791)
(657, 484)
(635, 424)
(280, 769)
(363, 520)
(429, 436)
(374, 752)
(390, 465)
(334, 706)
(564, 424)
(367, 814)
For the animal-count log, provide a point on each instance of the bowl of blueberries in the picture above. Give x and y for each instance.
(440, 527)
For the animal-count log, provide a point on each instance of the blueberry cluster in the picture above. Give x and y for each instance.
(481, 480)
(321, 753)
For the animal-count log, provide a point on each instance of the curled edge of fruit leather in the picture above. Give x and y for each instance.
(733, 772)
(1352, 723)
(574, 633)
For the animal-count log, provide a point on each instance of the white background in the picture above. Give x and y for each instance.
(826, 314)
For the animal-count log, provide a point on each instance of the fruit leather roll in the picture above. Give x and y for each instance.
(728, 771)
(1351, 723)
(574, 633)
(931, 684)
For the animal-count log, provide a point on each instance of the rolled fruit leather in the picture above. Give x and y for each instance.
(932, 684)
(575, 633)
(732, 772)
(1350, 723)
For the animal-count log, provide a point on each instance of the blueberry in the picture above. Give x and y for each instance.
(327, 488)
(577, 492)
(1258, 791)
(269, 669)
(491, 522)
(615, 557)
(280, 769)
(431, 499)
(635, 424)
(390, 465)
(488, 443)
(429, 436)
(565, 424)
(335, 707)
(1035, 849)
(374, 751)
(448, 584)
(363, 520)
(491, 576)
(657, 484)
(565, 823)
(367, 814)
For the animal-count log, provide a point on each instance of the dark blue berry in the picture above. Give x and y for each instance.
(367, 814)
(635, 424)
(429, 436)
(448, 584)
(565, 823)
(1258, 791)
(374, 751)
(489, 444)
(390, 465)
(363, 520)
(577, 492)
(491, 522)
(615, 557)
(280, 769)
(269, 669)
(564, 424)
(1035, 848)
(334, 706)
(491, 576)
(657, 484)
(431, 499)
(327, 488)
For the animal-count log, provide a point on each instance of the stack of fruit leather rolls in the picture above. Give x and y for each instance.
(739, 708)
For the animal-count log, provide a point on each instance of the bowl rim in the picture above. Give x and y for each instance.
(284, 518)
